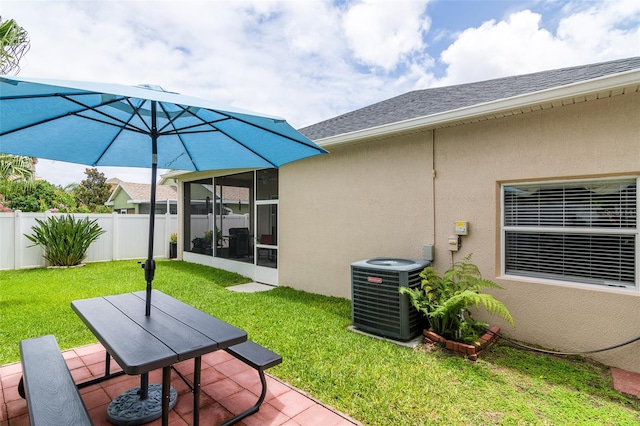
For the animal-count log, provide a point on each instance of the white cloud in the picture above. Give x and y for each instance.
(288, 59)
(304, 60)
(607, 30)
(383, 33)
(519, 45)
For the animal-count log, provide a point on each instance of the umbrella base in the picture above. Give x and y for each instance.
(128, 409)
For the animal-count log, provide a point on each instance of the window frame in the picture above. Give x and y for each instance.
(539, 276)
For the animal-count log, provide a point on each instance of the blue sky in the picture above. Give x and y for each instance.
(310, 60)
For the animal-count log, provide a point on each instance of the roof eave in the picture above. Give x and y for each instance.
(158, 201)
(506, 106)
(117, 189)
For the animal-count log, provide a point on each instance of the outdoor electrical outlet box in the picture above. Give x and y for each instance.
(427, 252)
(454, 243)
(462, 227)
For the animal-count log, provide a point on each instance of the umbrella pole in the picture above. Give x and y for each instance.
(146, 403)
(150, 264)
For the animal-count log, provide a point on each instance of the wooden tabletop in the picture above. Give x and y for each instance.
(175, 331)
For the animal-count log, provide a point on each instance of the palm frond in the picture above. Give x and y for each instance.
(14, 43)
(16, 167)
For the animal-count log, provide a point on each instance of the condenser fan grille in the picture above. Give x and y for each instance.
(376, 302)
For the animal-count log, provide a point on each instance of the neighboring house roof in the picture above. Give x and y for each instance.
(235, 194)
(231, 194)
(141, 192)
(113, 181)
(477, 101)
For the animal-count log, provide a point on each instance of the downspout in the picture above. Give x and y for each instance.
(433, 188)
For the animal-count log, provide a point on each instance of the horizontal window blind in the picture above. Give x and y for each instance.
(572, 231)
(589, 204)
(594, 259)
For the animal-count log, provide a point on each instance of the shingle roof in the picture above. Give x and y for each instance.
(142, 191)
(422, 103)
(233, 193)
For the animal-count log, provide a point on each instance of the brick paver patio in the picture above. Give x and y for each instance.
(228, 387)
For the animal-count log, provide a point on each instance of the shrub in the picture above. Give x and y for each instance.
(445, 301)
(4, 205)
(64, 239)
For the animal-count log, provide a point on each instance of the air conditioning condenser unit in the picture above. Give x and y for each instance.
(377, 306)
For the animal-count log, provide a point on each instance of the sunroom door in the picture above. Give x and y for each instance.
(266, 227)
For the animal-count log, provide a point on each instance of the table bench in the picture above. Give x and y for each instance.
(51, 394)
(260, 358)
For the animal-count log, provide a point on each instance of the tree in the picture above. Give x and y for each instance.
(38, 196)
(16, 167)
(93, 191)
(35, 196)
(14, 43)
(63, 202)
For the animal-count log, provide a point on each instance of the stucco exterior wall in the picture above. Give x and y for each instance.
(356, 203)
(363, 201)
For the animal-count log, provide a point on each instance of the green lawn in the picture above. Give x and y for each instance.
(373, 381)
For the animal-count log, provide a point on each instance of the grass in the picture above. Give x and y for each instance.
(373, 381)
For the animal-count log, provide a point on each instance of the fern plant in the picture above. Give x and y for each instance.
(64, 239)
(446, 299)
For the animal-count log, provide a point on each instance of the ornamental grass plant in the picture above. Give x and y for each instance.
(374, 381)
(65, 239)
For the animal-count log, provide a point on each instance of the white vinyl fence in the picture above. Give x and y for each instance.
(200, 224)
(126, 237)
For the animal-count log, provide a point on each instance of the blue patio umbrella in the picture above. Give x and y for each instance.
(100, 124)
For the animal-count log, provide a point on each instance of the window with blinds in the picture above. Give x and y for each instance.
(583, 232)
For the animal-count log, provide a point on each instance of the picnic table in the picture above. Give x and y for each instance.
(174, 332)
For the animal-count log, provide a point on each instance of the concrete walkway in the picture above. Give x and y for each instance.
(228, 388)
(250, 288)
